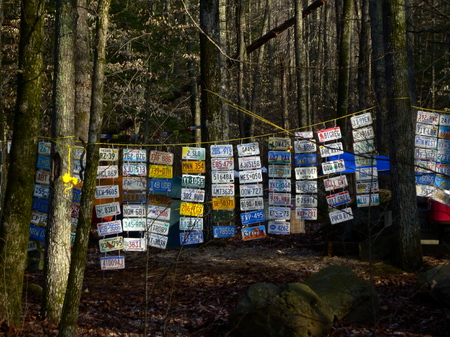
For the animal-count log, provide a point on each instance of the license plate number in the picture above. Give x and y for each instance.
(41, 191)
(224, 231)
(253, 233)
(107, 154)
(279, 185)
(306, 186)
(110, 227)
(334, 166)
(160, 185)
(305, 201)
(341, 215)
(191, 223)
(222, 177)
(306, 213)
(222, 190)
(279, 171)
(361, 120)
(191, 209)
(134, 244)
(222, 164)
(279, 213)
(134, 155)
(249, 163)
(280, 227)
(158, 227)
(133, 211)
(193, 153)
(112, 262)
(134, 183)
(332, 149)
(192, 194)
(193, 167)
(111, 244)
(222, 203)
(158, 241)
(193, 181)
(158, 212)
(105, 172)
(251, 190)
(335, 183)
(305, 173)
(160, 171)
(249, 149)
(280, 199)
(305, 146)
(279, 157)
(253, 217)
(134, 224)
(134, 170)
(251, 204)
(251, 176)
(327, 135)
(337, 199)
(161, 158)
(218, 151)
(191, 237)
(107, 192)
(43, 177)
(279, 143)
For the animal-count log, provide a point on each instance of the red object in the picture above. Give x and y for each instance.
(439, 212)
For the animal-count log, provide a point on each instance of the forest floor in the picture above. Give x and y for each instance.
(191, 292)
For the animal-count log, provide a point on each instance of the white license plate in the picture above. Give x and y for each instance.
(443, 145)
(225, 150)
(341, 215)
(43, 177)
(192, 194)
(425, 191)
(363, 134)
(369, 173)
(112, 262)
(362, 160)
(250, 176)
(425, 142)
(222, 177)
(222, 190)
(249, 149)
(279, 227)
(251, 204)
(335, 183)
(427, 117)
(139, 155)
(39, 218)
(249, 163)
(306, 173)
(279, 171)
(279, 157)
(111, 244)
(158, 212)
(426, 130)
(222, 163)
(444, 120)
(367, 200)
(366, 146)
(251, 190)
(44, 148)
(279, 185)
(303, 134)
(424, 166)
(443, 157)
(107, 192)
(337, 199)
(107, 172)
(134, 170)
(161, 158)
(133, 211)
(361, 120)
(157, 241)
(443, 169)
(191, 223)
(279, 143)
(108, 154)
(193, 153)
(280, 199)
(77, 152)
(134, 224)
(305, 146)
(327, 135)
(197, 181)
(158, 227)
(332, 149)
(367, 186)
(306, 186)
(134, 183)
(134, 244)
(41, 191)
(110, 227)
(334, 166)
(305, 201)
(306, 213)
(278, 213)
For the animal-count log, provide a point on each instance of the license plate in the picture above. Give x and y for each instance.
(279, 143)
(337, 199)
(279, 157)
(133, 211)
(78, 166)
(279, 171)
(306, 186)
(158, 199)
(443, 169)
(193, 181)
(43, 162)
(192, 194)
(425, 142)
(32, 245)
(442, 182)
(250, 176)
(108, 172)
(424, 166)
(158, 241)
(134, 224)
(249, 163)
(305, 159)
(279, 185)
(305, 201)
(107, 192)
(251, 204)
(362, 160)
(222, 177)
(77, 152)
(160, 171)
(107, 154)
(38, 218)
(327, 135)
(158, 227)
(366, 146)
(134, 244)
(191, 209)
(222, 163)
(279, 213)
(76, 195)
(222, 190)
(191, 237)
(335, 183)
(218, 151)
(160, 185)
(443, 145)
(305, 146)
(332, 149)
(251, 190)
(223, 203)
(109, 209)
(367, 200)
(134, 170)
(111, 244)
(134, 183)
(280, 199)
(224, 232)
(306, 213)
(193, 153)
(161, 158)
(341, 215)
(73, 223)
(193, 167)
(369, 173)
(252, 233)
(40, 205)
(75, 213)
(41, 191)
(303, 134)
(249, 149)
(44, 148)
(367, 186)
(112, 262)
(444, 119)
(250, 218)
(134, 155)
(424, 179)
(425, 191)
(223, 215)
(191, 223)
(444, 132)
(37, 233)
(279, 227)
(110, 227)
(158, 212)
(361, 120)
(426, 130)
(427, 117)
(306, 173)
(334, 166)
(43, 177)
(363, 134)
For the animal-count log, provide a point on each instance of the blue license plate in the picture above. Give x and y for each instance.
(191, 237)
(224, 231)
(305, 159)
(40, 205)
(37, 233)
(249, 218)
(160, 185)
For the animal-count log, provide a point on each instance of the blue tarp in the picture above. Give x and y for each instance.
(350, 167)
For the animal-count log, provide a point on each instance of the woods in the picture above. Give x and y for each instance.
(165, 75)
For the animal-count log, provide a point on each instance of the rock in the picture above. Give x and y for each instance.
(34, 290)
(437, 282)
(346, 295)
(270, 311)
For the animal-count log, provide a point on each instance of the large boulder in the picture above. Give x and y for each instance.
(345, 293)
(437, 282)
(271, 311)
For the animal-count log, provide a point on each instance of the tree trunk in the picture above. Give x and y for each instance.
(69, 317)
(15, 223)
(402, 123)
(244, 119)
(363, 60)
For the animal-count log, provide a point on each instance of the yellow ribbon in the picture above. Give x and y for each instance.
(67, 179)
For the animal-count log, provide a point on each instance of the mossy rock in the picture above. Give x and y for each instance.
(436, 281)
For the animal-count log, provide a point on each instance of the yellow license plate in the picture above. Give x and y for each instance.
(191, 209)
(160, 171)
(193, 167)
(223, 203)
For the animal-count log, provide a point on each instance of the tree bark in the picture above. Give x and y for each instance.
(15, 223)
